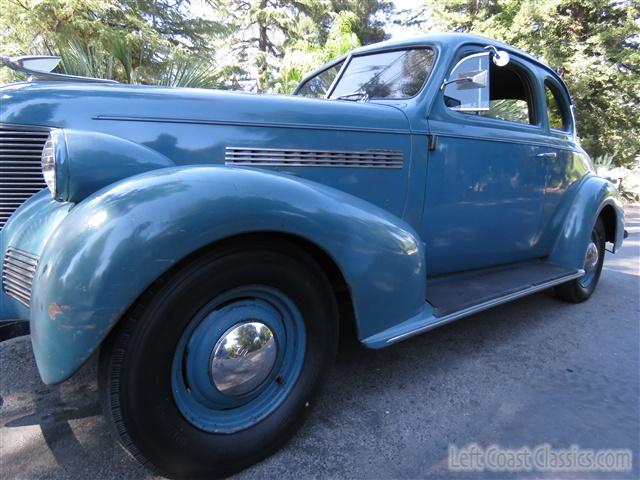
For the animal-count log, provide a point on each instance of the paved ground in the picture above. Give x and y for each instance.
(528, 373)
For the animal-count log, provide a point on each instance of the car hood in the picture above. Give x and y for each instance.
(76, 105)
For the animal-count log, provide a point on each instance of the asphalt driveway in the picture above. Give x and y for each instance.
(531, 372)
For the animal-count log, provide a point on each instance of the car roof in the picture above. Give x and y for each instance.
(453, 40)
(450, 40)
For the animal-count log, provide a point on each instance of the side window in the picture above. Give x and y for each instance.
(511, 97)
(509, 109)
(318, 86)
(555, 113)
(505, 94)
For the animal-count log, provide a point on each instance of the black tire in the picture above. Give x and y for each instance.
(135, 363)
(577, 291)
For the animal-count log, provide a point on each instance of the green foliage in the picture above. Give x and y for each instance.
(267, 35)
(162, 41)
(85, 60)
(269, 45)
(341, 37)
(369, 17)
(594, 44)
(304, 57)
(142, 35)
(261, 31)
(185, 72)
(605, 160)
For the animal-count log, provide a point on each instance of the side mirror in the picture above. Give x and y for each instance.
(467, 88)
(500, 58)
(37, 63)
(469, 80)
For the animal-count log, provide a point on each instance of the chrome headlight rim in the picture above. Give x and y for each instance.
(52, 161)
(48, 165)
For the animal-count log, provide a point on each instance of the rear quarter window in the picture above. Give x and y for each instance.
(556, 112)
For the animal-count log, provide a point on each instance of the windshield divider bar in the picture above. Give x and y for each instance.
(338, 76)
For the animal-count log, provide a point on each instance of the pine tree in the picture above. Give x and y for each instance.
(594, 44)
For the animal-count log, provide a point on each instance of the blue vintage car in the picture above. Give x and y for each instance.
(211, 246)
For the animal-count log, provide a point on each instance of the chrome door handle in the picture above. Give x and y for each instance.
(547, 155)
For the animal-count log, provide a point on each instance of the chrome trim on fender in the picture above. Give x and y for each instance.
(486, 305)
(18, 272)
(294, 157)
(235, 123)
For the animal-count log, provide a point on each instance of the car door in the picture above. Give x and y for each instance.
(565, 162)
(486, 170)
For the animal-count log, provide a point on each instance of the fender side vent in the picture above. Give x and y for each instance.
(283, 157)
(18, 272)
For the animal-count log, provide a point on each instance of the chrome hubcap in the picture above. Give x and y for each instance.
(591, 258)
(243, 358)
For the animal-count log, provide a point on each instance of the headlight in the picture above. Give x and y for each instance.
(48, 161)
(98, 160)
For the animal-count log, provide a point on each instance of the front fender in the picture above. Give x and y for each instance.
(112, 246)
(579, 214)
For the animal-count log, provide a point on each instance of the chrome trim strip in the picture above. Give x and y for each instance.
(22, 253)
(19, 269)
(486, 305)
(532, 143)
(15, 280)
(18, 296)
(12, 262)
(293, 157)
(311, 151)
(197, 121)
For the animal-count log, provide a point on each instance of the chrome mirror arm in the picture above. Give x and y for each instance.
(500, 58)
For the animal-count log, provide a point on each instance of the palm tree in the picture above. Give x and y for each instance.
(116, 60)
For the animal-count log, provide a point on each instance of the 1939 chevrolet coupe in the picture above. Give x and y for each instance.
(210, 245)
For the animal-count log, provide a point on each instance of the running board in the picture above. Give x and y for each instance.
(426, 320)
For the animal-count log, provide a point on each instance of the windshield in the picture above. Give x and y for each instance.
(387, 75)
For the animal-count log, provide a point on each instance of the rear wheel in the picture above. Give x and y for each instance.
(582, 288)
(214, 369)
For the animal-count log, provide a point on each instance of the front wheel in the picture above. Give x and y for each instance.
(214, 369)
(580, 289)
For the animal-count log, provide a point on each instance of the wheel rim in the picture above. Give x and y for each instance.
(238, 359)
(591, 261)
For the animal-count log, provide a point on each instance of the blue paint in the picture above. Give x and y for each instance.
(144, 185)
(126, 235)
(93, 160)
(196, 397)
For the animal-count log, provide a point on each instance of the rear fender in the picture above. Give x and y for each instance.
(116, 243)
(579, 215)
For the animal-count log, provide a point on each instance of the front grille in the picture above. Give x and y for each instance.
(20, 170)
(18, 271)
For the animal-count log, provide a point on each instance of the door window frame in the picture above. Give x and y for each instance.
(532, 83)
